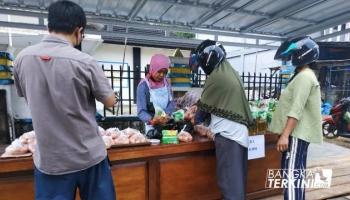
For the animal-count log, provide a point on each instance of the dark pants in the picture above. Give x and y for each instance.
(231, 162)
(94, 183)
(294, 161)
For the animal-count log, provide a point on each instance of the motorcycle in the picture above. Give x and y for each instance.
(337, 123)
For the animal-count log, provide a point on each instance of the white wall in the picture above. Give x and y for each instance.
(114, 53)
(256, 62)
(147, 53)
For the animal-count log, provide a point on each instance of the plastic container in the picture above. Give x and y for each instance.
(170, 137)
(154, 141)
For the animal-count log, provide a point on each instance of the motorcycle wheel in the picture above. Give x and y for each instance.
(329, 130)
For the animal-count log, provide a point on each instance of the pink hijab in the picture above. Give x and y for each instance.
(158, 62)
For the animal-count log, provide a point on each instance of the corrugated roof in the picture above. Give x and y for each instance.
(276, 18)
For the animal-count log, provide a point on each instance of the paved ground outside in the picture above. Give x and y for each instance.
(332, 154)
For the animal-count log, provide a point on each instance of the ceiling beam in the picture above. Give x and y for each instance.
(245, 5)
(224, 17)
(298, 6)
(189, 41)
(186, 29)
(99, 6)
(136, 9)
(231, 9)
(235, 10)
(322, 25)
(42, 4)
(136, 36)
(114, 10)
(22, 25)
(245, 52)
(116, 22)
(162, 15)
(214, 12)
(332, 35)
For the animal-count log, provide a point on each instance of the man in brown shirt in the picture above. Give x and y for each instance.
(60, 85)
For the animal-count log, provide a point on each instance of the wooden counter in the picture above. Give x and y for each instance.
(183, 171)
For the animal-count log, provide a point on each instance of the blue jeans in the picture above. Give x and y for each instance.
(94, 183)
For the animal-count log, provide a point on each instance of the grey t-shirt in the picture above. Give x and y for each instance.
(60, 85)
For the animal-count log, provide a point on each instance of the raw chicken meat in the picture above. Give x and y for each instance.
(113, 132)
(126, 136)
(184, 136)
(108, 141)
(130, 131)
(27, 138)
(16, 148)
(137, 138)
(122, 139)
(101, 131)
(31, 146)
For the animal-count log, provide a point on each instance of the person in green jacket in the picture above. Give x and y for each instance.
(298, 115)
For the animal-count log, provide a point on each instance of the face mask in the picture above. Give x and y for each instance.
(288, 68)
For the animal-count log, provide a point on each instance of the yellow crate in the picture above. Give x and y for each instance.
(252, 130)
(261, 126)
(180, 70)
(180, 80)
(5, 75)
(4, 61)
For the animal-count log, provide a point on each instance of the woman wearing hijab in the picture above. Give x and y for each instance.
(224, 98)
(154, 91)
(297, 118)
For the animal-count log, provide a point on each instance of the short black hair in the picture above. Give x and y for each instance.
(65, 16)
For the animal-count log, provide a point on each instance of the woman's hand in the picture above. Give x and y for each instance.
(159, 120)
(202, 130)
(282, 144)
(190, 114)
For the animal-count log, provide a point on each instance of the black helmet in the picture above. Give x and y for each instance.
(301, 51)
(208, 55)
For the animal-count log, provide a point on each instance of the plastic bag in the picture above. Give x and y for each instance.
(347, 117)
(159, 112)
(178, 115)
(184, 136)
